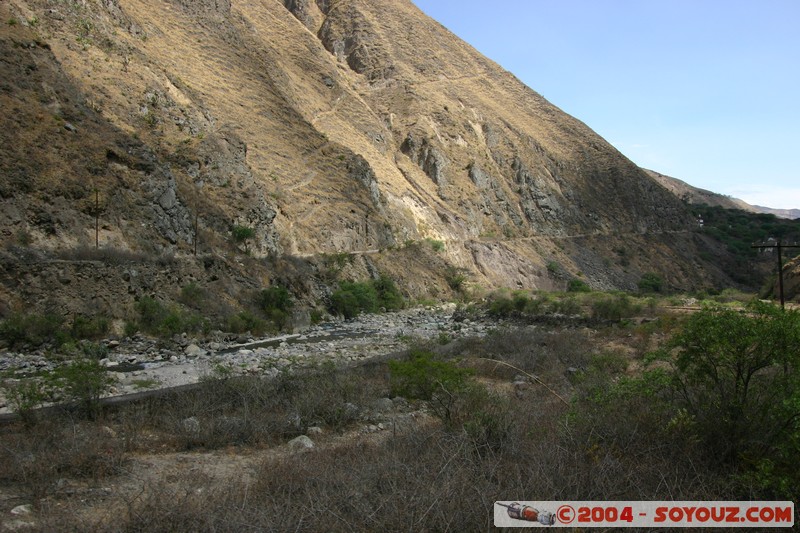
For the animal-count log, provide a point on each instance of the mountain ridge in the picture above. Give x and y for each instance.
(696, 195)
(322, 128)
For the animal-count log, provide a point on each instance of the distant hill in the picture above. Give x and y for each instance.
(782, 213)
(695, 195)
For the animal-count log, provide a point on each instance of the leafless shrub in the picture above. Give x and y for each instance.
(250, 410)
(37, 457)
(109, 255)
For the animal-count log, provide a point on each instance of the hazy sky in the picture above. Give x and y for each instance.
(707, 91)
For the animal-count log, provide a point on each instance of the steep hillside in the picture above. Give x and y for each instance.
(293, 129)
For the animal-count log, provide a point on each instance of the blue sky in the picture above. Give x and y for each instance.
(707, 91)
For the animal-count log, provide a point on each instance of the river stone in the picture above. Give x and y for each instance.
(301, 443)
(21, 509)
(194, 350)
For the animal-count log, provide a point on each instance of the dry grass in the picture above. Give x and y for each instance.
(230, 470)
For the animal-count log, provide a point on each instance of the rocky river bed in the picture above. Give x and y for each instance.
(139, 363)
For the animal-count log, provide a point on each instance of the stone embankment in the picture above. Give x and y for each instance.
(140, 364)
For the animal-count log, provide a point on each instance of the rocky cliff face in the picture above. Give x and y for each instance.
(323, 126)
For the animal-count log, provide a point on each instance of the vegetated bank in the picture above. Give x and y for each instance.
(430, 438)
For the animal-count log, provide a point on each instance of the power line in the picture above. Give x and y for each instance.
(780, 247)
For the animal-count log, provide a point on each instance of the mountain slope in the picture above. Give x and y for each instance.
(330, 126)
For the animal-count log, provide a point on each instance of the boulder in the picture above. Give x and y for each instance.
(301, 443)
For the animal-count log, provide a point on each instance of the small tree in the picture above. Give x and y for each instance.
(243, 235)
(83, 381)
(353, 298)
(24, 397)
(739, 377)
(276, 302)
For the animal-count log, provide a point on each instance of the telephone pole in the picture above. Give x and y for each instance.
(96, 219)
(780, 246)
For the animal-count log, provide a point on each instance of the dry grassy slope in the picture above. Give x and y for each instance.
(331, 125)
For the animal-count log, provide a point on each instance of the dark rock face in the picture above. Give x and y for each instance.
(348, 35)
(429, 158)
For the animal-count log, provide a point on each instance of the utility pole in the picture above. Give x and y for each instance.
(780, 246)
(96, 219)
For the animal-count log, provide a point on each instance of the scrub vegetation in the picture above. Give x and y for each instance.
(679, 406)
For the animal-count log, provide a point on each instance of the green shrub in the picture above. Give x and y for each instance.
(486, 418)
(614, 307)
(25, 396)
(276, 302)
(424, 377)
(243, 235)
(83, 381)
(566, 306)
(537, 305)
(156, 318)
(738, 375)
(389, 297)
(501, 306)
(20, 329)
(436, 245)
(578, 285)
(334, 263)
(353, 298)
(344, 302)
(244, 322)
(455, 278)
(275, 297)
(89, 327)
(732, 393)
(651, 282)
(151, 313)
(94, 350)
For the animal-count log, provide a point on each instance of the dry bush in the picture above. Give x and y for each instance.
(36, 457)
(110, 255)
(254, 411)
(533, 348)
(428, 480)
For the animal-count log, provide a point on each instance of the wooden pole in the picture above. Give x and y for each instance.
(780, 246)
(96, 219)
(780, 275)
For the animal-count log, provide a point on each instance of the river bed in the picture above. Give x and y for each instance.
(139, 364)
